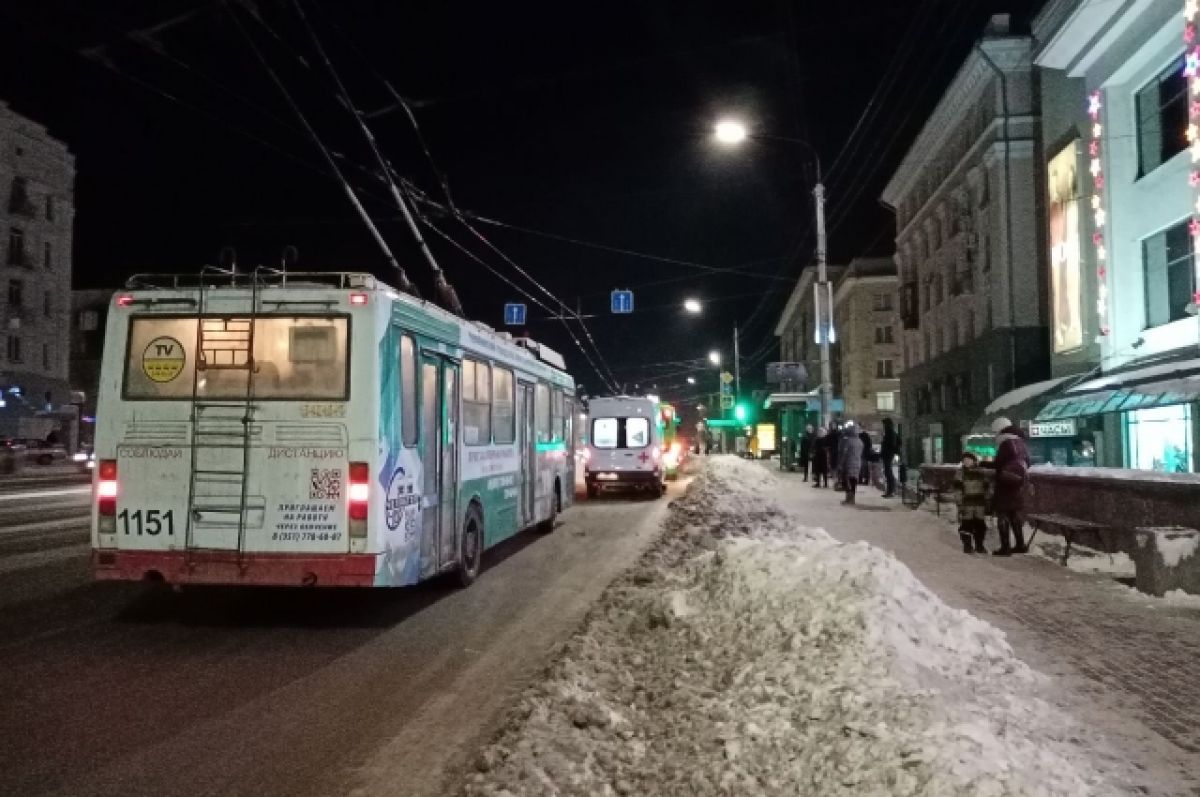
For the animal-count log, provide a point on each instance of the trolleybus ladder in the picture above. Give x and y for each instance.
(210, 438)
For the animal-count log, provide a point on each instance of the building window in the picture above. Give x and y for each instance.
(49, 208)
(885, 401)
(89, 321)
(47, 256)
(14, 349)
(1160, 438)
(16, 293)
(883, 333)
(1162, 118)
(47, 306)
(1168, 275)
(885, 369)
(883, 302)
(18, 198)
(16, 246)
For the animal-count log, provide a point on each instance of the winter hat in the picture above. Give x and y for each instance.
(1000, 424)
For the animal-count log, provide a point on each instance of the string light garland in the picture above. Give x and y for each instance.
(1099, 217)
(1191, 72)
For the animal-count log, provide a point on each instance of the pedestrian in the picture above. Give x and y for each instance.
(971, 494)
(889, 447)
(830, 443)
(806, 449)
(868, 456)
(850, 457)
(1012, 473)
(820, 459)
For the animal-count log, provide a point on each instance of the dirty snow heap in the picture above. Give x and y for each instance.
(747, 654)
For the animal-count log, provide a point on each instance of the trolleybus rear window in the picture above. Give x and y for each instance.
(295, 357)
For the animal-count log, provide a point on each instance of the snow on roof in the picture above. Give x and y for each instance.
(1014, 397)
(1176, 368)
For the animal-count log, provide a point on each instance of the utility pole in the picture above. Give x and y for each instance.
(824, 312)
(737, 367)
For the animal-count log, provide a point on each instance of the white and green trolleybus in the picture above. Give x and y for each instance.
(317, 429)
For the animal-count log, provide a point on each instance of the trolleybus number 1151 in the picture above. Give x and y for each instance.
(149, 521)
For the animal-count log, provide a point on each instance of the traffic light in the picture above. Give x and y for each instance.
(740, 412)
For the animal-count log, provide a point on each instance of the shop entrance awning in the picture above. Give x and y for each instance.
(1142, 388)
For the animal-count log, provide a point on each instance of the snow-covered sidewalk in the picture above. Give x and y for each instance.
(752, 653)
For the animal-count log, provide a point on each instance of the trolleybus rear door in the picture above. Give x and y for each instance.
(439, 458)
(527, 447)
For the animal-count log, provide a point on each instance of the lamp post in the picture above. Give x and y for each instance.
(732, 132)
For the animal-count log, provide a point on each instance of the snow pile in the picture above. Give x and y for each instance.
(746, 654)
(1175, 547)
(1084, 559)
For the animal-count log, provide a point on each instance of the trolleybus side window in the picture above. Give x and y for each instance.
(295, 357)
(502, 405)
(541, 415)
(477, 402)
(408, 390)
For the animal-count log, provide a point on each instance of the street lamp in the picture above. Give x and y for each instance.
(691, 380)
(692, 305)
(731, 132)
(714, 357)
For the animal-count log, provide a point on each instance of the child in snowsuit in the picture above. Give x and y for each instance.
(971, 492)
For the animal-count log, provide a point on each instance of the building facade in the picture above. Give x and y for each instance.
(89, 313)
(864, 312)
(37, 173)
(969, 249)
(1117, 103)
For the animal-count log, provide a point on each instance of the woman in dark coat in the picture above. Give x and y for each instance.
(1012, 473)
(889, 447)
(806, 449)
(868, 456)
(820, 459)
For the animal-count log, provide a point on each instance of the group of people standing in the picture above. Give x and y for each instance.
(848, 453)
(1003, 494)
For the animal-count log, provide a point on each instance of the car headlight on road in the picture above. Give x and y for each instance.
(80, 456)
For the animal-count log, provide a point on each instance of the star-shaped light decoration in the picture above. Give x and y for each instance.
(1195, 151)
(1100, 217)
(1094, 104)
(1194, 227)
(1194, 178)
(1096, 202)
(1189, 9)
(1189, 32)
(1094, 148)
(1098, 129)
(1191, 64)
(1198, 204)
(1094, 168)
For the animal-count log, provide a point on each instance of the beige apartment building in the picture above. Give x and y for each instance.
(37, 173)
(868, 343)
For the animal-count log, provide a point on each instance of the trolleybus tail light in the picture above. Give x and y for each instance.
(124, 300)
(358, 299)
(360, 490)
(106, 496)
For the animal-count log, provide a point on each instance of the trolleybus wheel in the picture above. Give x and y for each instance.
(470, 547)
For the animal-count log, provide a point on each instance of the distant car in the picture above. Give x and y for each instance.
(37, 452)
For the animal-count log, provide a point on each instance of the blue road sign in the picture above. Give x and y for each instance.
(514, 314)
(622, 301)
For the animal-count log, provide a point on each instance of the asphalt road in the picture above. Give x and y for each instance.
(113, 689)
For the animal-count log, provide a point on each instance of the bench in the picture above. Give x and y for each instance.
(1069, 528)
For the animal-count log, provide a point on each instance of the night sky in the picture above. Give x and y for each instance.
(586, 121)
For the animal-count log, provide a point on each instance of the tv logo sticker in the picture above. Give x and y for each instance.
(163, 359)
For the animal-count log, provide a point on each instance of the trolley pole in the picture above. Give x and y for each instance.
(824, 312)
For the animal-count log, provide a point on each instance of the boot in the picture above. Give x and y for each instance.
(966, 541)
(1019, 535)
(1005, 543)
(979, 535)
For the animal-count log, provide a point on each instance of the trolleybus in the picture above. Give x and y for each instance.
(317, 429)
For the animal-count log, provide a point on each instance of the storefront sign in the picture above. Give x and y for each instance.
(1063, 428)
(1062, 186)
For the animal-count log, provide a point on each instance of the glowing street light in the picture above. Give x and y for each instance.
(714, 357)
(692, 305)
(691, 380)
(730, 131)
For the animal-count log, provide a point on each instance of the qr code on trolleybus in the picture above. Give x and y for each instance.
(326, 484)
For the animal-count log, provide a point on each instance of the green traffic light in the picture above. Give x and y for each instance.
(739, 412)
